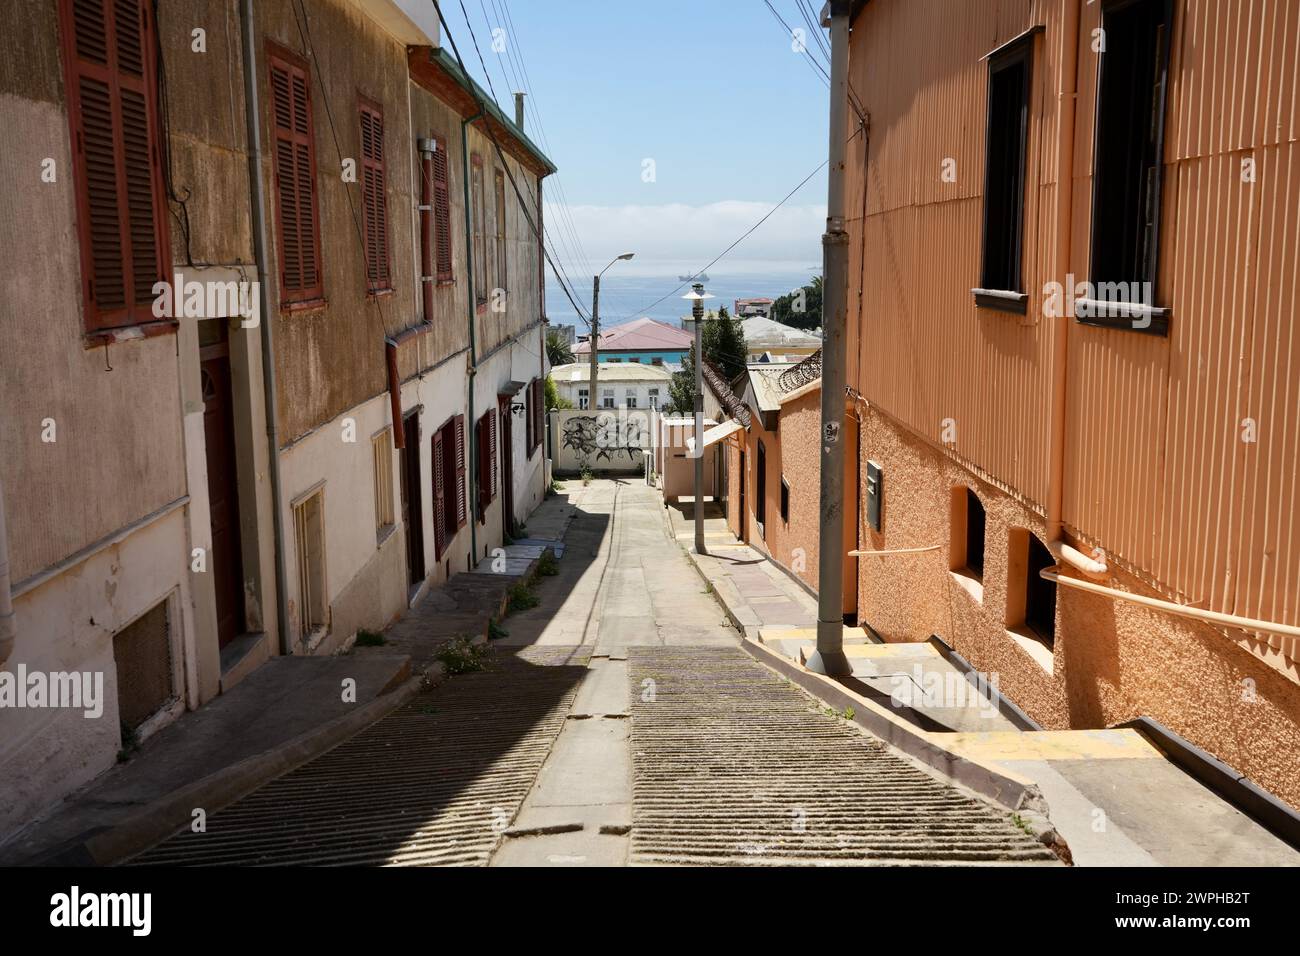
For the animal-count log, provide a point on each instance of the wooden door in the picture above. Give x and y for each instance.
(225, 561)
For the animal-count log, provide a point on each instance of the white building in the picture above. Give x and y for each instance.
(621, 385)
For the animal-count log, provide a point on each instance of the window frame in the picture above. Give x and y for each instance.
(101, 325)
(990, 294)
(478, 241)
(383, 282)
(501, 254)
(1132, 316)
(305, 296)
(443, 253)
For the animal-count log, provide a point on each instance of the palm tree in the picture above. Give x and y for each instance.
(558, 351)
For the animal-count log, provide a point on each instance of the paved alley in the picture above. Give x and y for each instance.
(617, 722)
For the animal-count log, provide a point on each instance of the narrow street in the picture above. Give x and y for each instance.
(619, 722)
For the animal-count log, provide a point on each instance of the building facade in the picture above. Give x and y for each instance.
(272, 350)
(621, 385)
(641, 340)
(1071, 352)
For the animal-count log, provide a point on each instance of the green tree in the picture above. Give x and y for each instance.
(787, 309)
(723, 340)
(558, 351)
(552, 397)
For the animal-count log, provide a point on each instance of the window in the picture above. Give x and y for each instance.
(1031, 599)
(654, 398)
(381, 447)
(295, 180)
(629, 397)
(309, 548)
(536, 414)
(582, 398)
(501, 229)
(785, 500)
(1128, 163)
(1004, 176)
(974, 534)
(117, 150)
(1040, 594)
(448, 467)
(142, 652)
(606, 398)
(760, 492)
(374, 199)
(657, 361)
(480, 229)
(635, 359)
(486, 443)
(442, 215)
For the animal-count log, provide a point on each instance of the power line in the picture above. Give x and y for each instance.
(812, 62)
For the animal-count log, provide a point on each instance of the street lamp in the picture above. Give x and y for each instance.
(696, 297)
(595, 324)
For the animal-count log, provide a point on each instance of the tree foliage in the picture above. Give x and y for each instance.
(552, 397)
(802, 308)
(558, 351)
(724, 347)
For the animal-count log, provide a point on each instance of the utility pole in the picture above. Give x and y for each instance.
(697, 295)
(595, 326)
(829, 657)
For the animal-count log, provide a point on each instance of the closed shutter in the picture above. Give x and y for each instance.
(295, 181)
(460, 472)
(492, 452)
(442, 215)
(374, 199)
(112, 103)
(439, 499)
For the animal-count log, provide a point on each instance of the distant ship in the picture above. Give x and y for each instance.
(703, 277)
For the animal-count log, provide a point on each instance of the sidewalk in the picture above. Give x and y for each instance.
(287, 712)
(1111, 795)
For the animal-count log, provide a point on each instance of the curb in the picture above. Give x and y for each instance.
(160, 819)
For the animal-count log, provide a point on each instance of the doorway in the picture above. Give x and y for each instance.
(412, 512)
(743, 516)
(507, 466)
(225, 560)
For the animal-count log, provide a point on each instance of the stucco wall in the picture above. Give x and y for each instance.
(1113, 661)
(613, 441)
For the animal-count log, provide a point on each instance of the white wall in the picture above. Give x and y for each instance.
(605, 442)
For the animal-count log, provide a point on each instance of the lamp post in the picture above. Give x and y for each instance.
(696, 296)
(595, 324)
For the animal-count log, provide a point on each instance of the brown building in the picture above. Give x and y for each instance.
(1072, 292)
(205, 462)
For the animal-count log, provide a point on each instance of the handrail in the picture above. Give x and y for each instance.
(1181, 610)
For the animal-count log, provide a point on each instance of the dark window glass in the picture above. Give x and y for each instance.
(1004, 182)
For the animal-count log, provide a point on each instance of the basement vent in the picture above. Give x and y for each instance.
(143, 655)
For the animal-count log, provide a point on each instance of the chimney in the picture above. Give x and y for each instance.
(519, 111)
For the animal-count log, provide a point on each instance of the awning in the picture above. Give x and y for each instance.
(716, 434)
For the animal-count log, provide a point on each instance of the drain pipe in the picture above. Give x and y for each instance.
(8, 624)
(470, 420)
(253, 125)
(1066, 107)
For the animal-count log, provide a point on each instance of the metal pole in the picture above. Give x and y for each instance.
(595, 337)
(829, 657)
(698, 311)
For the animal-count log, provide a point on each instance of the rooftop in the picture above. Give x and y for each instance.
(611, 372)
(640, 335)
(761, 333)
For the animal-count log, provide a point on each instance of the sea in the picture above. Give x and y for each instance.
(627, 297)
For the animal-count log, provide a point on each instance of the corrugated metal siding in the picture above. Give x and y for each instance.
(1157, 472)
(930, 354)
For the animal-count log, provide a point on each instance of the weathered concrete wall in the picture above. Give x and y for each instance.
(1112, 662)
(608, 442)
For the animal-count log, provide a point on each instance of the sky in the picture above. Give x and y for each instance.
(675, 125)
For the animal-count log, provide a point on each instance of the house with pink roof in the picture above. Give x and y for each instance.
(641, 340)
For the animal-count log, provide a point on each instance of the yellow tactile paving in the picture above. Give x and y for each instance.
(1050, 745)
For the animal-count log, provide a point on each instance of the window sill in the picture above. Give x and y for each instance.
(129, 333)
(1032, 644)
(444, 283)
(383, 534)
(1016, 302)
(970, 584)
(380, 293)
(305, 305)
(1126, 316)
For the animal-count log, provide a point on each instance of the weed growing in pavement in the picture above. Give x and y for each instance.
(496, 631)
(586, 477)
(848, 713)
(547, 565)
(1023, 824)
(461, 656)
(368, 638)
(522, 597)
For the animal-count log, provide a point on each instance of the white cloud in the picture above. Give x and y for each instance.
(681, 238)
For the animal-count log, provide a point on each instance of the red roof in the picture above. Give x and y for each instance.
(640, 335)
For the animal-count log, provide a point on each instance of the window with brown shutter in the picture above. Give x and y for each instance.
(295, 179)
(108, 52)
(442, 215)
(374, 198)
(486, 440)
(460, 472)
(501, 229)
(479, 243)
(439, 497)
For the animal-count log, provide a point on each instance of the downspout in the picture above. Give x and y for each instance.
(1066, 106)
(8, 624)
(470, 421)
(253, 123)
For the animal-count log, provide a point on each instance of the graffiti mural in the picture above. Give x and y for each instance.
(608, 441)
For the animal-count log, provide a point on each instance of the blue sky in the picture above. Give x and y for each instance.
(711, 91)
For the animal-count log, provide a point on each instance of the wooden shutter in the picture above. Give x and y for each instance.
(442, 215)
(374, 198)
(484, 465)
(121, 203)
(439, 499)
(492, 452)
(460, 472)
(295, 180)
